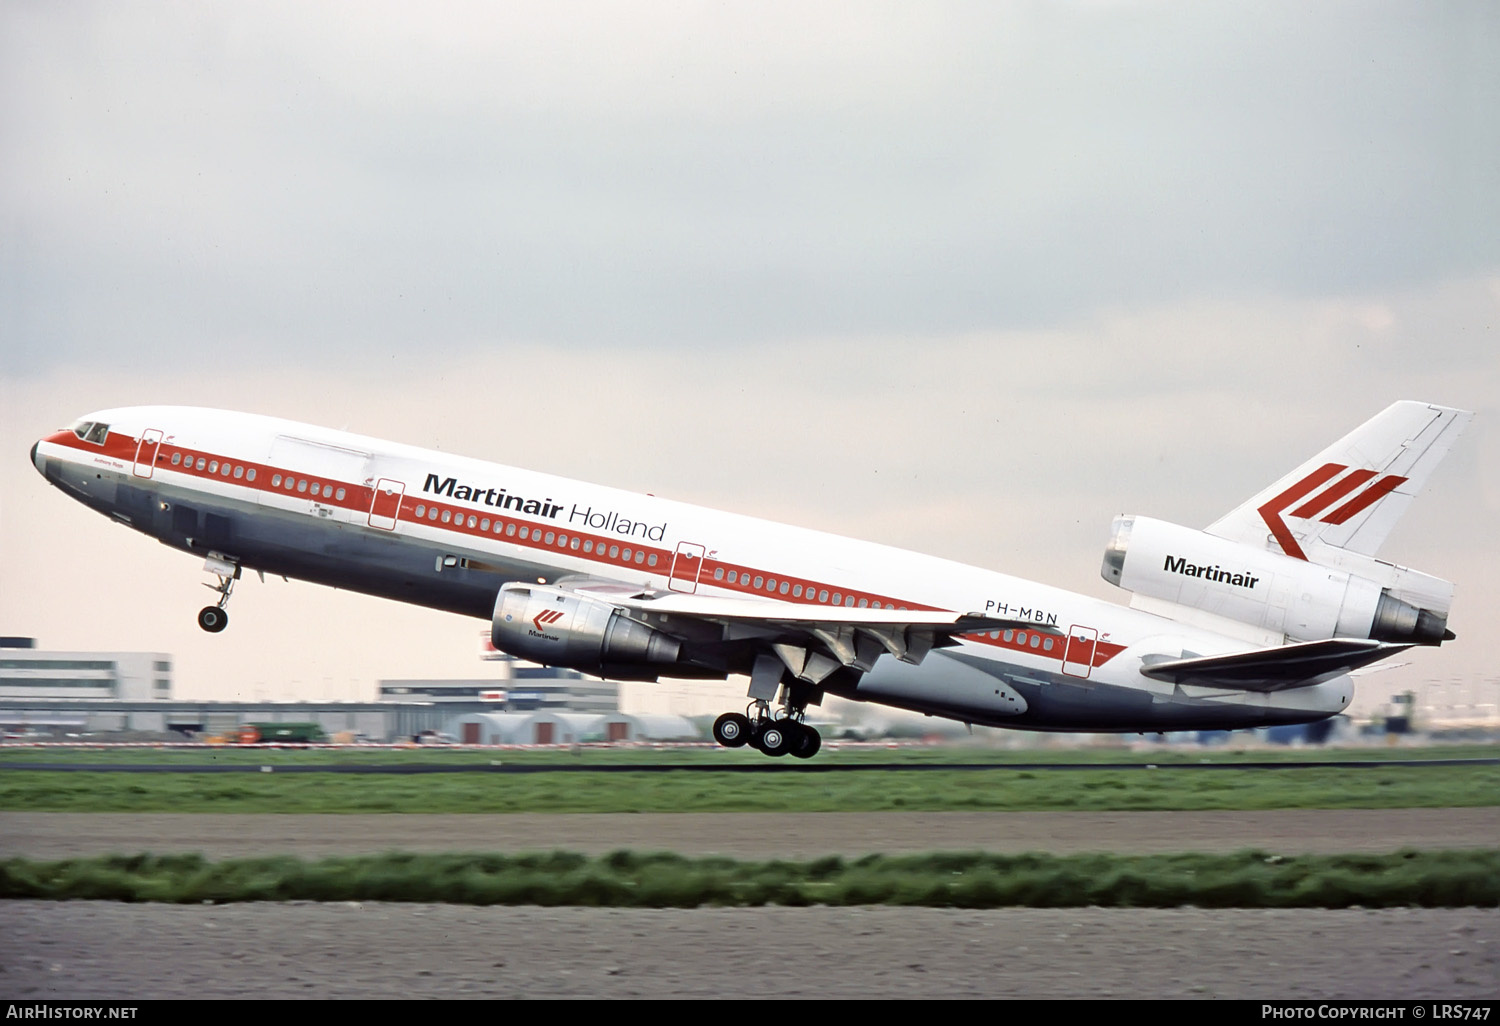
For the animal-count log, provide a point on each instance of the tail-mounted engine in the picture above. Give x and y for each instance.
(1272, 591)
(557, 627)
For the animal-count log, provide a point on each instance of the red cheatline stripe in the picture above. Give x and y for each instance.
(359, 499)
(1333, 493)
(1271, 511)
(1364, 499)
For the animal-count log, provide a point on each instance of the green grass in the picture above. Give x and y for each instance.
(623, 879)
(1000, 789)
(832, 754)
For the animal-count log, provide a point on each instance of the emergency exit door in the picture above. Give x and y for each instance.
(687, 564)
(385, 506)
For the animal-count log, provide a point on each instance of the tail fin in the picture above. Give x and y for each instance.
(1350, 495)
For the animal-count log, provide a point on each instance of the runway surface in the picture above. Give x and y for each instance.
(105, 950)
(374, 950)
(55, 835)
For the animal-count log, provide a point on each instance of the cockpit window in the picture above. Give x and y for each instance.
(91, 431)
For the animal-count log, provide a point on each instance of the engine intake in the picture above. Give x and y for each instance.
(557, 627)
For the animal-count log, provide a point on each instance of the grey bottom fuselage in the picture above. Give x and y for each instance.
(332, 549)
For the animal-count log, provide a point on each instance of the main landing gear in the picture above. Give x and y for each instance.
(216, 617)
(782, 735)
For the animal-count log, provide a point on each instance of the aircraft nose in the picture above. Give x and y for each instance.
(38, 460)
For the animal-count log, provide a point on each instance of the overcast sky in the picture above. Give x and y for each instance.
(968, 279)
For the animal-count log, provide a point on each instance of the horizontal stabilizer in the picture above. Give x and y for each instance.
(1274, 669)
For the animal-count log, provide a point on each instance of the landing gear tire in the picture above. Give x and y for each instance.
(732, 730)
(776, 738)
(213, 619)
(806, 742)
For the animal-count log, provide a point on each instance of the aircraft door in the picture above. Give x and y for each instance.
(145, 452)
(385, 506)
(687, 563)
(1078, 658)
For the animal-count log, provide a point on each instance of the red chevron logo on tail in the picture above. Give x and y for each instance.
(1361, 499)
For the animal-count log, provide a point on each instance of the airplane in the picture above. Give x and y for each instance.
(1257, 620)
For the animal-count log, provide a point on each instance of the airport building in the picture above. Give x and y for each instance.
(56, 691)
(77, 695)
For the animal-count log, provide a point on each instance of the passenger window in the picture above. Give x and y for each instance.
(510, 530)
(432, 513)
(785, 587)
(574, 544)
(339, 495)
(1036, 639)
(640, 555)
(548, 540)
(176, 458)
(224, 470)
(588, 546)
(473, 520)
(758, 582)
(213, 467)
(823, 595)
(837, 600)
(718, 573)
(525, 533)
(484, 525)
(291, 483)
(797, 591)
(239, 472)
(849, 601)
(275, 480)
(614, 551)
(863, 603)
(447, 517)
(562, 541)
(201, 463)
(1009, 636)
(250, 474)
(422, 511)
(625, 555)
(651, 560)
(302, 485)
(1047, 645)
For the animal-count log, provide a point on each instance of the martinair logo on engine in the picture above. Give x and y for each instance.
(546, 616)
(1179, 565)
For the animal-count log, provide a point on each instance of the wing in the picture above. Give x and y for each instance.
(812, 641)
(1273, 669)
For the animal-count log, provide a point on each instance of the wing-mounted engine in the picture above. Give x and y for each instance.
(1176, 568)
(558, 627)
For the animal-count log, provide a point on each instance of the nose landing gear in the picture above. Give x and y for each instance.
(216, 617)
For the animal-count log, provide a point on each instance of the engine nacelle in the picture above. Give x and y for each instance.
(557, 627)
(1303, 600)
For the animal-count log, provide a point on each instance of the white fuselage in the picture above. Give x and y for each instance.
(446, 531)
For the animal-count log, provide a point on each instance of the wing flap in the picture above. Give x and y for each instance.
(800, 633)
(1273, 669)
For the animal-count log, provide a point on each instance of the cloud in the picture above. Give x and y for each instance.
(348, 179)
